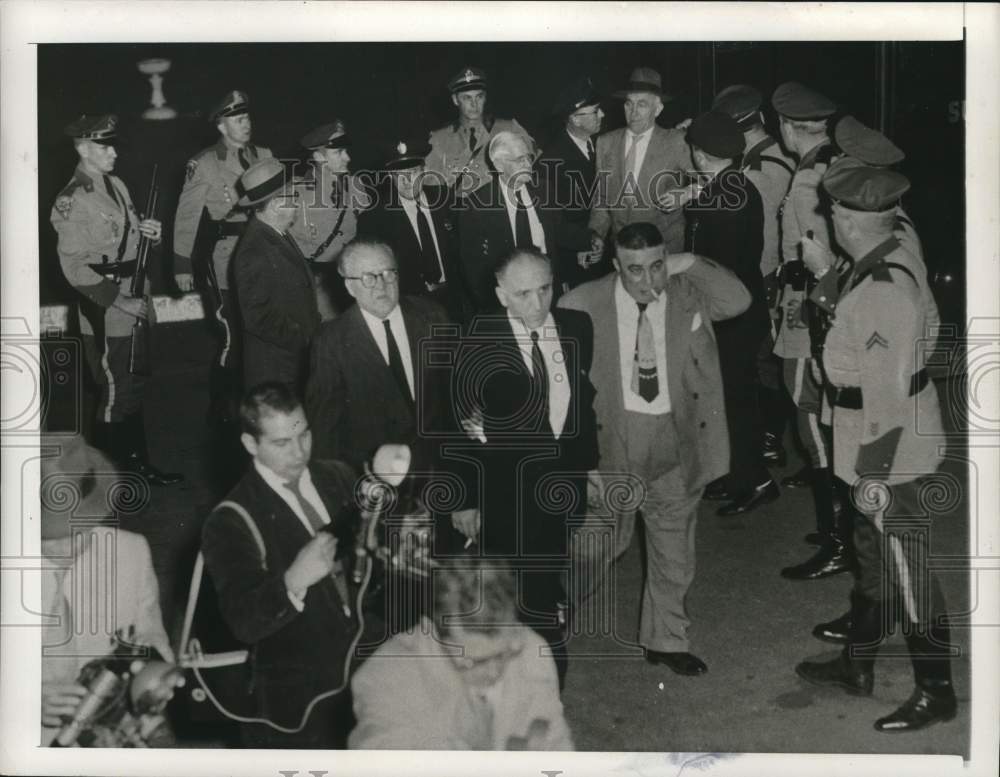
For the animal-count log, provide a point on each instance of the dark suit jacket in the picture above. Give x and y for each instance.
(388, 222)
(522, 466)
(485, 236)
(352, 400)
(294, 655)
(277, 301)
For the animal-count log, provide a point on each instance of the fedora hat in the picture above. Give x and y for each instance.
(643, 79)
(262, 180)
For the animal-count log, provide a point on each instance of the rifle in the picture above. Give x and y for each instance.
(138, 359)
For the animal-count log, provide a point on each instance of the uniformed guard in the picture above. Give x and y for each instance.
(207, 225)
(330, 203)
(887, 441)
(99, 232)
(804, 116)
(459, 150)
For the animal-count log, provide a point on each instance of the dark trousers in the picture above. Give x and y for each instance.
(120, 391)
(326, 729)
(740, 381)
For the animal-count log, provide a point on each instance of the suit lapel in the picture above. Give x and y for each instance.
(606, 341)
(678, 323)
(650, 162)
(361, 344)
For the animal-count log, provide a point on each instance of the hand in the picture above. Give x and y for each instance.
(312, 563)
(473, 427)
(134, 306)
(586, 258)
(59, 701)
(678, 263)
(151, 228)
(596, 244)
(467, 522)
(684, 124)
(185, 281)
(391, 463)
(816, 256)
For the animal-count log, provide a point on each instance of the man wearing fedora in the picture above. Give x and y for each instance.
(330, 203)
(458, 156)
(274, 286)
(569, 166)
(639, 166)
(207, 224)
(411, 215)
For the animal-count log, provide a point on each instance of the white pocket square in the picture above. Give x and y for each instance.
(696, 321)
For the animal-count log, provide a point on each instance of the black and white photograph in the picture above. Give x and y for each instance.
(614, 382)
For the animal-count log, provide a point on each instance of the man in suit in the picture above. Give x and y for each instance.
(282, 588)
(725, 222)
(523, 376)
(510, 212)
(641, 168)
(275, 288)
(413, 219)
(368, 375)
(569, 168)
(660, 411)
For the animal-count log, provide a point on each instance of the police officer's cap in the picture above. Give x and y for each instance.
(467, 79)
(740, 101)
(263, 180)
(857, 186)
(333, 135)
(865, 143)
(235, 103)
(578, 95)
(718, 134)
(407, 154)
(795, 101)
(97, 129)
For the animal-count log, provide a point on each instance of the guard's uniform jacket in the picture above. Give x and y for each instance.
(770, 171)
(463, 165)
(95, 231)
(327, 220)
(209, 195)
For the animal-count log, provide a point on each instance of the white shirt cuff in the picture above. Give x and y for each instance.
(297, 602)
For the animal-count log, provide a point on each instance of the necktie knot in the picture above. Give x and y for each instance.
(534, 336)
(642, 307)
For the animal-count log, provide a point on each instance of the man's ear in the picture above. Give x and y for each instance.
(501, 295)
(318, 156)
(616, 263)
(659, 107)
(454, 100)
(249, 443)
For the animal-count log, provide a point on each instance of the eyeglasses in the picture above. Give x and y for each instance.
(509, 651)
(584, 114)
(369, 279)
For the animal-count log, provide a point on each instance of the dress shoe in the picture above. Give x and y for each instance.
(922, 709)
(716, 491)
(800, 479)
(681, 663)
(153, 476)
(841, 671)
(831, 559)
(837, 631)
(773, 451)
(761, 495)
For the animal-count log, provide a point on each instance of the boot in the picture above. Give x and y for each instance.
(773, 451)
(853, 669)
(135, 455)
(834, 555)
(933, 700)
(837, 631)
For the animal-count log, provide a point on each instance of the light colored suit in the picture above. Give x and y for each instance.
(695, 427)
(667, 161)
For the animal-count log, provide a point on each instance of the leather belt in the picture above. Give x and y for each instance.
(229, 228)
(849, 397)
(115, 270)
(432, 287)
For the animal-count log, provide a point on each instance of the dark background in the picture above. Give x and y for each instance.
(386, 91)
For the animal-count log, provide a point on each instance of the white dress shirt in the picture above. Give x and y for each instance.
(398, 327)
(581, 143)
(410, 208)
(628, 324)
(555, 366)
(642, 143)
(537, 232)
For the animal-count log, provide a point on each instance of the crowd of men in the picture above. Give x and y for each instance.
(525, 330)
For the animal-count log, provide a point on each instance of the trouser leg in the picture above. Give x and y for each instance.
(739, 377)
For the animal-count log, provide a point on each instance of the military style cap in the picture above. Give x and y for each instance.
(406, 154)
(740, 101)
(643, 79)
(865, 143)
(235, 103)
(98, 129)
(795, 101)
(857, 186)
(579, 94)
(718, 134)
(466, 79)
(332, 135)
(262, 180)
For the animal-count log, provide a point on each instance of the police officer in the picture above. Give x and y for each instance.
(458, 155)
(98, 235)
(803, 115)
(330, 201)
(207, 225)
(887, 440)
(770, 171)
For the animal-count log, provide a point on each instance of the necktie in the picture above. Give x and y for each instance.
(479, 732)
(311, 513)
(430, 267)
(630, 154)
(396, 362)
(522, 227)
(472, 138)
(590, 149)
(540, 376)
(241, 155)
(645, 382)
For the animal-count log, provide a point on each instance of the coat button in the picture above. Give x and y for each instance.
(695, 395)
(702, 424)
(695, 361)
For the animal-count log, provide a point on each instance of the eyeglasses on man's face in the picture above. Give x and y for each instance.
(585, 114)
(370, 279)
